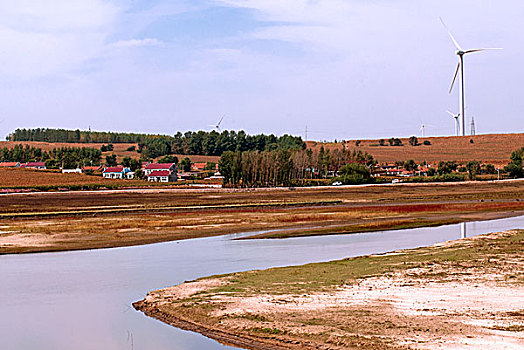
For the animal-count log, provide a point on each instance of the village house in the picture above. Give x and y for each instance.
(36, 165)
(171, 167)
(161, 176)
(72, 171)
(9, 164)
(93, 168)
(115, 172)
(161, 172)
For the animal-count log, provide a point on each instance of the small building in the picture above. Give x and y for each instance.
(161, 176)
(199, 166)
(9, 164)
(36, 165)
(115, 172)
(171, 167)
(72, 171)
(130, 175)
(93, 168)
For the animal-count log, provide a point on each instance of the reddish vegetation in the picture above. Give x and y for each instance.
(495, 149)
(32, 178)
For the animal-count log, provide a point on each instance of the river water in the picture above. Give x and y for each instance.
(82, 300)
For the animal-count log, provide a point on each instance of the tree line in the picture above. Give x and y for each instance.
(285, 167)
(74, 136)
(66, 157)
(210, 143)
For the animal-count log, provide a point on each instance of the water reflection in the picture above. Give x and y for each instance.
(80, 300)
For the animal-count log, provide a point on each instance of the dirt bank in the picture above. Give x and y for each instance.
(461, 294)
(39, 222)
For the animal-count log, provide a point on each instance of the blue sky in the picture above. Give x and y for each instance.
(345, 68)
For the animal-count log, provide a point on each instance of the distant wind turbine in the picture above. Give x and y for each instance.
(460, 66)
(455, 116)
(217, 126)
(423, 127)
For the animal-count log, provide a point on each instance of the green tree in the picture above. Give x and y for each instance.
(514, 168)
(447, 167)
(473, 168)
(490, 169)
(353, 174)
(111, 160)
(410, 165)
(413, 141)
(168, 159)
(185, 164)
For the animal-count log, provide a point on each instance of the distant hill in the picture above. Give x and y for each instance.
(491, 148)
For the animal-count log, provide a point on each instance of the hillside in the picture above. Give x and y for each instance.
(492, 148)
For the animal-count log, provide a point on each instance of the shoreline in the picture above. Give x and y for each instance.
(273, 317)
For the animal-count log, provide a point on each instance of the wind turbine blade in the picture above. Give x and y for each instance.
(451, 114)
(450, 35)
(221, 120)
(485, 49)
(454, 78)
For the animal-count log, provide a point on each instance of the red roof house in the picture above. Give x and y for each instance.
(161, 176)
(171, 167)
(36, 165)
(9, 164)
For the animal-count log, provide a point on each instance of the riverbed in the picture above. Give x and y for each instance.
(82, 299)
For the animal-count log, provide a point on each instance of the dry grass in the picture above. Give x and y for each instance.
(495, 149)
(28, 178)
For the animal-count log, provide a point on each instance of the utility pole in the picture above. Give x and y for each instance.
(306, 134)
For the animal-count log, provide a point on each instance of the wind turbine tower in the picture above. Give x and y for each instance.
(455, 116)
(460, 67)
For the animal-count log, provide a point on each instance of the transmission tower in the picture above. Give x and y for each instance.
(472, 126)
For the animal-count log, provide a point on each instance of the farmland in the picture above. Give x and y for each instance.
(52, 180)
(493, 148)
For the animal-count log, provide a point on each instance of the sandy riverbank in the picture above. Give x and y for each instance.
(460, 294)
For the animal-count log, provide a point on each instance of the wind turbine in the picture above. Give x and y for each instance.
(217, 127)
(422, 127)
(460, 66)
(455, 116)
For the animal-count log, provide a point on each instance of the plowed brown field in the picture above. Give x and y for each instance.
(494, 148)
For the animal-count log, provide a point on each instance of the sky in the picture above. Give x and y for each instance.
(346, 69)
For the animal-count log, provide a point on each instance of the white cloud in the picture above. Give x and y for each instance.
(137, 43)
(41, 38)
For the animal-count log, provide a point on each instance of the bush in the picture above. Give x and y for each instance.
(427, 143)
(490, 169)
(354, 174)
(169, 159)
(437, 178)
(131, 149)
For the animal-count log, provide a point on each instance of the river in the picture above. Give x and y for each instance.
(82, 300)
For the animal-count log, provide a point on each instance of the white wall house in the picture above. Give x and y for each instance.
(161, 176)
(161, 172)
(115, 172)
